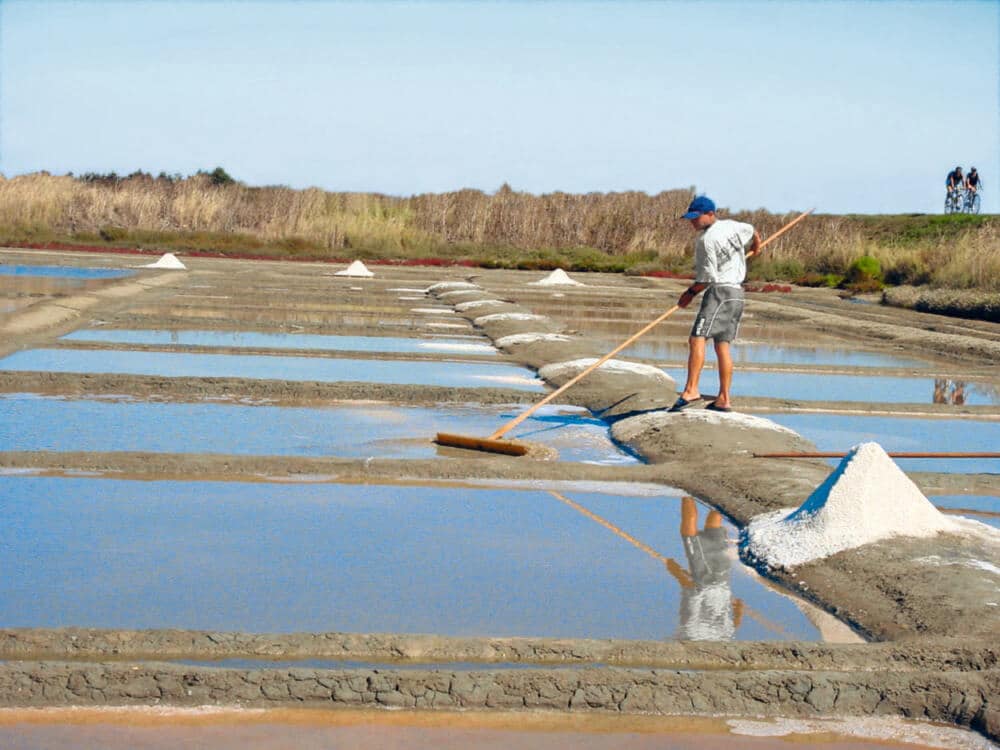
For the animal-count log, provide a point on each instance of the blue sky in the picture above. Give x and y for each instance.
(846, 106)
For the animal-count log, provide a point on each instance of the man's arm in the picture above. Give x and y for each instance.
(754, 245)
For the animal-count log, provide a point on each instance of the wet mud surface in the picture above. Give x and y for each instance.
(902, 591)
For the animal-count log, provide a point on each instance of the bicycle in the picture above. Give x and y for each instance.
(972, 201)
(954, 201)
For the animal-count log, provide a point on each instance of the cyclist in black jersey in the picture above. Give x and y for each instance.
(972, 181)
(955, 180)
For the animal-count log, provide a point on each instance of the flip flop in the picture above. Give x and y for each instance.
(713, 407)
(682, 403)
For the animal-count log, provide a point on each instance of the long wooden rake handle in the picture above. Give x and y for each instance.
(624, 345)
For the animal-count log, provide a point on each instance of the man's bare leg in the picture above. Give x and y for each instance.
(725, 359)
(696, 361)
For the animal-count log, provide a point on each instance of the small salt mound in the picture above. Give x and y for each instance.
(629, 429)
(572, 367)
(529, 338)
(444, 296)
(450, 285)
(357, 268)
(557, 278)
(865, 499)
(506, 316)
(463, 306)
(169, 260)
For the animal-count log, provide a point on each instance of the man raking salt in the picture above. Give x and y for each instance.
(720, 255)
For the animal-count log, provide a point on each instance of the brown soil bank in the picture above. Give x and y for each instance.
(966, 699)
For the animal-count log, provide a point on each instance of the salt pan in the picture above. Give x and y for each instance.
(867, 498)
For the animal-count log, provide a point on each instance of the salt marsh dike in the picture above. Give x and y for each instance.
(928, 605)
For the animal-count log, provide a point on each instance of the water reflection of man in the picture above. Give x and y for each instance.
(708, 610)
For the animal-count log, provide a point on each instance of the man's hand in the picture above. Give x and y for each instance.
(689, 294)
(755, 244)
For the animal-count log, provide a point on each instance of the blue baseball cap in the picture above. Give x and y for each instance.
(700, 205)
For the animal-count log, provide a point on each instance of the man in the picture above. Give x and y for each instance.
(955, 180)
(721, 251)
(972, 181)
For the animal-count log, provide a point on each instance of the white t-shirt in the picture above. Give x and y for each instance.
(720, 253)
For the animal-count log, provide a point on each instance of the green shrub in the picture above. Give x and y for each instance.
(864, 275)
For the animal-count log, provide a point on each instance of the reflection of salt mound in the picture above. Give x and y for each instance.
(168, 260)
(557, 278)
(357, 268)
(865, 499)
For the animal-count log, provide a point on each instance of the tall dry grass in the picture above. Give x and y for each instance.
(631, 227)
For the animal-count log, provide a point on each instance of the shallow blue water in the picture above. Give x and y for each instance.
(66, 272)
(824, 387)
(357, 558)
(761, 353)
(839, 432)
(984, 503)
(31, 423)
(179, 364)
(251, 339)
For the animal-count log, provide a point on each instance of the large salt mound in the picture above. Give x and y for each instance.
(865, 499)
(516, 339)
(483, 320)
(168, 260)
(357, 268)
(557, 278)
(444, 286)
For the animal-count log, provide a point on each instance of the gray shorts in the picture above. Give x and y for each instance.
(720, 313)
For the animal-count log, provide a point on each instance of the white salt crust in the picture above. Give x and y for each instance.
(573, 366)
(631, 428)
(878, 728)
(445, 286)
(557, 278)
(407, 289)
(506, 316)
(528, 338)
(168, 260)
(357, 268)
(447, 325)
(432, 310)
(867, 498)
(463, 306)
(448, 347)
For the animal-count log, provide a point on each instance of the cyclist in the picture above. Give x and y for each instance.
(955, 180)
(972, 181)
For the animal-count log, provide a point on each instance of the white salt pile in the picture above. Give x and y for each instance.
(357, 268)
(865, 499)
(169, 260)
(557, 278)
